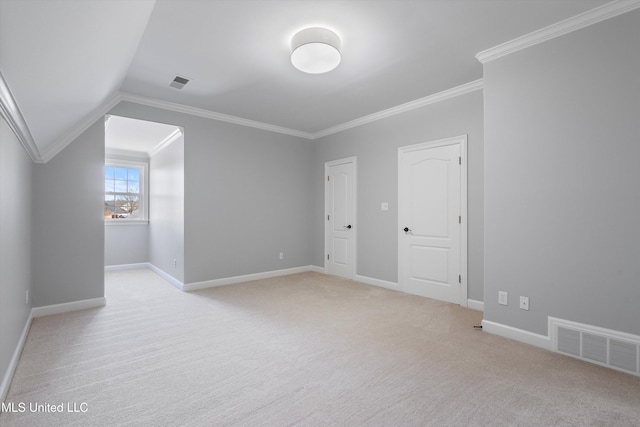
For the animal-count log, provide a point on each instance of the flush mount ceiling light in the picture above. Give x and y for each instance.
(315, 50)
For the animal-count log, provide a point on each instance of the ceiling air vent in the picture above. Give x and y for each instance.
(179, 82)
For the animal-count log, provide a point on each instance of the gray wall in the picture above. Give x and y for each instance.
(126, 244)
(248, 196)
(166, 213)
(16, 177)
(376, 147)
(68, 233)
(561, 183)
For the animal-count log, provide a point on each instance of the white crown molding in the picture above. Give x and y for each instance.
(590, 17)
(126, 154)
(199, 112)
(12, 114)
(176, 134)
(14, 118)
(61, 143)
(412, 105)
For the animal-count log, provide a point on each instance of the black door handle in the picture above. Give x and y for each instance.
(407, 229)
(348, 227)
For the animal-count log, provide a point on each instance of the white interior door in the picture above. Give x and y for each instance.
(430, 215)
(340, 218)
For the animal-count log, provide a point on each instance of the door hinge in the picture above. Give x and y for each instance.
(460, 278)
(327, 256)
(327, 177)
(460, 220)
(459, 160)
(327, 217)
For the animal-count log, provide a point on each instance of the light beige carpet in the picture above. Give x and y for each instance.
(306, 349)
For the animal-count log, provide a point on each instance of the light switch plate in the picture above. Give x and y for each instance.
(384, 206)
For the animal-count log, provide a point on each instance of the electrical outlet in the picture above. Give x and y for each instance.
(524, 303)
(281, 255)
(503, 298)
(384, 206)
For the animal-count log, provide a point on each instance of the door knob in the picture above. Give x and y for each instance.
(347, 227)
(406, 229)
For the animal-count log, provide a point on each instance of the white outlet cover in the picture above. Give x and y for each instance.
(384, 206)
(524, 303)
(503, 298)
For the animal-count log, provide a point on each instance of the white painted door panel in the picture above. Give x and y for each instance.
(340, 217)
(429, 210)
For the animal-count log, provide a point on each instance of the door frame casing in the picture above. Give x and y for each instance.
(354, 161)
(456, 140)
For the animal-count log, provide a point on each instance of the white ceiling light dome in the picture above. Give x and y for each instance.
(315, 50)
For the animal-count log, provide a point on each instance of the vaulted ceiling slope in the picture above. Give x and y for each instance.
(67, 61)
(64, 59)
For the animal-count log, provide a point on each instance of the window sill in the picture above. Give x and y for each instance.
(126, 222)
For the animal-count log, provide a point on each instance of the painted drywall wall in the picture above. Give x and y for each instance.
(166, 214)
(16, 178)
(376, 147)
(126, 244)
(68, 222)
(561, 173)
(248, 196)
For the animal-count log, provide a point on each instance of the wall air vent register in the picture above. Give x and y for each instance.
(597, 345)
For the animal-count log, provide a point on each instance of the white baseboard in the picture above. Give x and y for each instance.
(245, 278)
(377, 282)
(169, 278)
(68, 306)
(11, 369)
(550, 342)
(475, 305)
(39, 312)
(472, 304)
(166, 276)
(516, 334)
(126, 266)
(317, 269)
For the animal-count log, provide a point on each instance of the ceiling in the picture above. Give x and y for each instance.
(123, 134)
(67, 60)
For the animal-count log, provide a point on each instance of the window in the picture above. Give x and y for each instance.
(124, 191)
